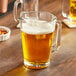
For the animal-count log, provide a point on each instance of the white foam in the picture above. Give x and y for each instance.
(34, 26)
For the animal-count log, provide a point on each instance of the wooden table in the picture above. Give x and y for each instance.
(63, 61)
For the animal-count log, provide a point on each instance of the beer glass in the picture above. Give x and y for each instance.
(26, 5)
(69, 12)
(38, 33)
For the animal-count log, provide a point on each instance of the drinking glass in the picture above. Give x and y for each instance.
(26, 6)
(38, 35)
(69, 12)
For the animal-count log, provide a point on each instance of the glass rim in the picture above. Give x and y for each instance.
(29, 12)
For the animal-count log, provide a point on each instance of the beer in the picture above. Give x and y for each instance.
(37, 40)
(73, 9)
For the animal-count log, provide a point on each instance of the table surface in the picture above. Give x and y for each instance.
(63, 61)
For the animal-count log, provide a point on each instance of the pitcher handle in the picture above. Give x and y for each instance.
(15, 9)
(58, 36)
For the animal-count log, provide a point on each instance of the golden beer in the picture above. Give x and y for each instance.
(37, 44)
(36, 48)
(73, 9)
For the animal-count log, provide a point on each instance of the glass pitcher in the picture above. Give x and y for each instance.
(26, 5)
(69, 12)
(38, 33)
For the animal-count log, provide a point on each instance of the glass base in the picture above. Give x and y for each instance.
(34, 65)
(70, 23)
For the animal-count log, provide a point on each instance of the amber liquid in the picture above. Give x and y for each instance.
(73, 9)
(37, 48)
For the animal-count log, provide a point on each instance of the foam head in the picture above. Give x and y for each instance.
(35, 26)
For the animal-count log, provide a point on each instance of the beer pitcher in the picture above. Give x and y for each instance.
(69, 12)
(40, 35)
(26, 6)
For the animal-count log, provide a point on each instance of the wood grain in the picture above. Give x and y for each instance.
(63, 61)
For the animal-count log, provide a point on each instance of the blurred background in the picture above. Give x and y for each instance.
(9, 8)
